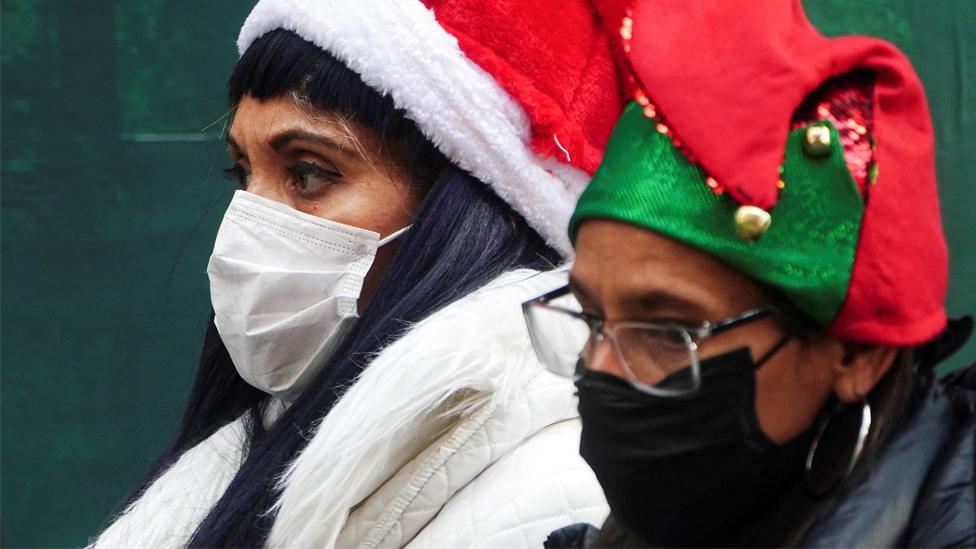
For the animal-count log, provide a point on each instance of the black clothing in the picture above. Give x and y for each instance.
(921, 490)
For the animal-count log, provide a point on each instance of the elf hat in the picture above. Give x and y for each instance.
(803, 161)
(522, 95)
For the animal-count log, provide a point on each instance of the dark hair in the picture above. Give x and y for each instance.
(462, 237)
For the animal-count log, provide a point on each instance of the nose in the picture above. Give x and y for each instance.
(268, 185)
(601, 357)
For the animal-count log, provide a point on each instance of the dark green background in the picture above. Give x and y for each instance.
(111, 116)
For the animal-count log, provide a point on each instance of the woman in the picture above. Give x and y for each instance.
(366, 381)
(759, 289)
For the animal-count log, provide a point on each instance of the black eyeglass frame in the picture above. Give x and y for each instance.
(603, 329)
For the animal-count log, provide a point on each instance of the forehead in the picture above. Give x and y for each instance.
(252, 114)
(620, 261)
(262, 119)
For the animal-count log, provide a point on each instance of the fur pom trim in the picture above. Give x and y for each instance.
(473, 355)
(458, 106)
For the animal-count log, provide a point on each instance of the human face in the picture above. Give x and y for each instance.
(623, 272)
(321, 164)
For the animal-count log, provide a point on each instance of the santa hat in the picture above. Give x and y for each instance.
(803, 161)
(522, 95)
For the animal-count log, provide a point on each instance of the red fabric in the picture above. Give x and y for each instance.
(553, 58)
(612, 14)
(728, 77)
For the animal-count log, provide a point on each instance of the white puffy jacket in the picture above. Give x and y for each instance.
(453, 436)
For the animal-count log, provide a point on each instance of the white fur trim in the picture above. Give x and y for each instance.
(399, 49)
(474, 354)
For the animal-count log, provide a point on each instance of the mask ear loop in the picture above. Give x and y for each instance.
(393, 236)
(775, 349)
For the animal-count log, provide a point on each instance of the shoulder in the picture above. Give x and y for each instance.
(905, 488)
(540, 486)
(500, 299)
(170, 509)
(488, 318)
(479, 345)
(960, 388)
(519, 455)
(574, 536)
(447, 400)
(945, 513)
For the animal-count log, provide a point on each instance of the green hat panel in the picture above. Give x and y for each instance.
(808, 250)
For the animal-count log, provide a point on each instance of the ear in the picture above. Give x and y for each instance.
(860, 369)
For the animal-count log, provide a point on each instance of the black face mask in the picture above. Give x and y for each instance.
(690, 470)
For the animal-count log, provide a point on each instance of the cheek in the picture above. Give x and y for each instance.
(371, 202)
(790, 391)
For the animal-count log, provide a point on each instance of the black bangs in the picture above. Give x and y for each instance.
(281, 62)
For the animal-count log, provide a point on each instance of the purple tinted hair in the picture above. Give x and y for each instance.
(462, 237)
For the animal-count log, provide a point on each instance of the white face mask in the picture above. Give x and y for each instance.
(285, 287)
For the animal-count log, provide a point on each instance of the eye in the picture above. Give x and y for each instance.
(590, 318)
(671, 338)
(678, 324)
(311, 178)
(237, 174)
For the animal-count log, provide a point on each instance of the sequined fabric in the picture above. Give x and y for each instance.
(808, 250)
(846, 102)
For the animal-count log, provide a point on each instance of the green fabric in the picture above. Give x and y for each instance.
(808, 250)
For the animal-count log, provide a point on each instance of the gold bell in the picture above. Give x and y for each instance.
(751, 222)
(817, 140)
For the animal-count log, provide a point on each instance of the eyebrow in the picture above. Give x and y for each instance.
(579, 289)
(647, 300)
(231, 144)
(285, 138)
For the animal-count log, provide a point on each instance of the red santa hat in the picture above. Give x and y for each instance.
(522, 95)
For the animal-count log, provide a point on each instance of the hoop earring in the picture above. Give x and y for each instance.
(820, 485)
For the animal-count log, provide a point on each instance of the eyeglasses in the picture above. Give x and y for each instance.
(657, 358)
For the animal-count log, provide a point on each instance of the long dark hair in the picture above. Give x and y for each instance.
(462, 237)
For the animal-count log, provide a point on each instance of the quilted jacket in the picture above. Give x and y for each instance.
(453, 436)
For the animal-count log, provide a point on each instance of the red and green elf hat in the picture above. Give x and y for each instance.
(803, 161)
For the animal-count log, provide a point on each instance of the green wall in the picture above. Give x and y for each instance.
(111, 195)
